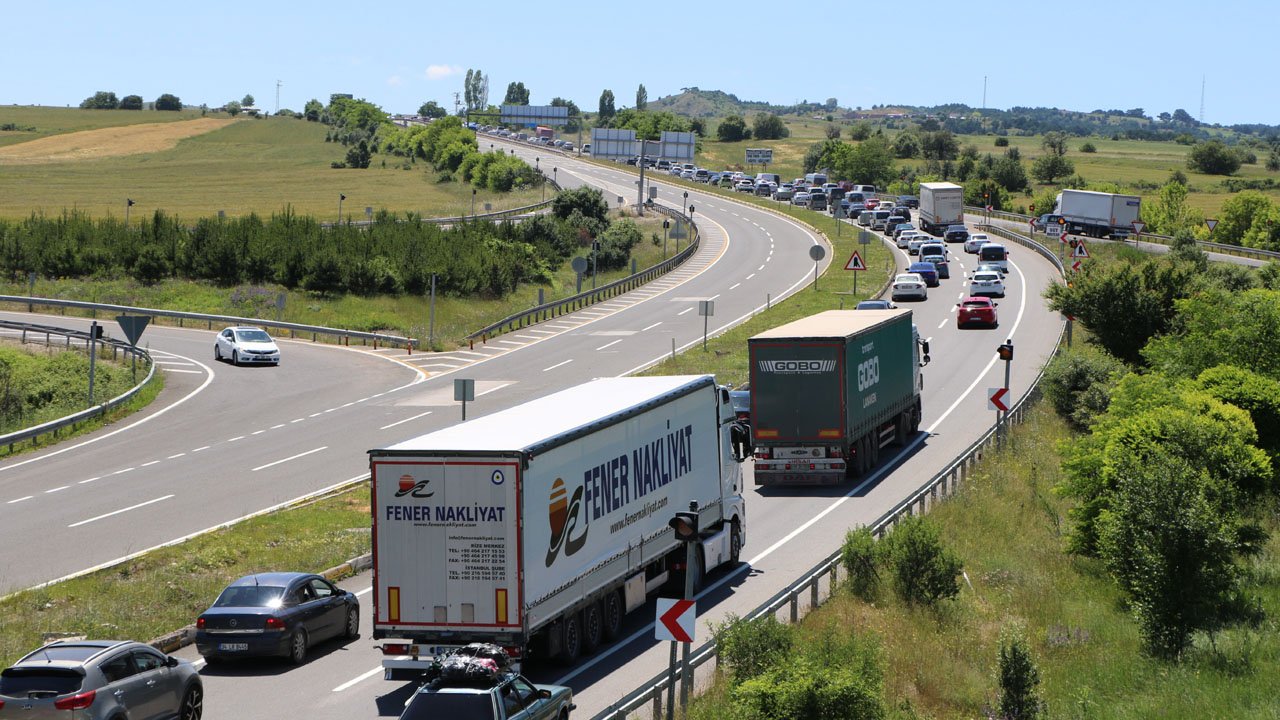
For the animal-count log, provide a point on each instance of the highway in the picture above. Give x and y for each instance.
(223, 442)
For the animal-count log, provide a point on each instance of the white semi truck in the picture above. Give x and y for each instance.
(941, 204)
(538, 527)
(1098, 214)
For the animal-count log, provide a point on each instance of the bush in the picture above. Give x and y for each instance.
(924, 571)
(1018, 678)
(1088, 147)
(860, 556)
(751, 647)
(802, 689)
(1002, 142)
(1213, 158)
(1078, 383)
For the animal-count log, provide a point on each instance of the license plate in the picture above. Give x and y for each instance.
(233, 647)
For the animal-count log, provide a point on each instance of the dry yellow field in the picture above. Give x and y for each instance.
(108, 142)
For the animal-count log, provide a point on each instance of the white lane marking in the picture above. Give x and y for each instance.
(943, 324)
(713, 297)
(121, 472)
(652, 326)
(188, 372)
(257, 432)
(559, 364)
(98, 477)
(277, 427)
(130, 426)
(361, 678)
(408, 419)
(18, 500)
(493, 389)
(751, 276)
(734, 286)
(202, 447)
(171, 362)
(615, 342)
(238, 437)
(291, 457)
(54, 490)
(298, 420)
(512, 342)
(686, 310)
(760, 268)
(149, 464)
(365, 591)
(175, 457)
(117, 512)
(316, 414)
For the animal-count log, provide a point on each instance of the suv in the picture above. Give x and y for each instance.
(481, 687)
(956, 233)
(100, 679)
(910, 201)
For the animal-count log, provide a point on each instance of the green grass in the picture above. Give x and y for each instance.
(165, 590)
(1007, 527)
(250, 166)
(48, 121)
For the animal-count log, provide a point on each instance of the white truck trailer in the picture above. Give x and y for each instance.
(941, 204)
(1098, 214)
(538, 527)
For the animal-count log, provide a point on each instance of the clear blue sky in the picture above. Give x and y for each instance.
(1074, 55)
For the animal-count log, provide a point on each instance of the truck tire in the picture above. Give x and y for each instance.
(592, 627)
(613, 611)
(570, 638)
(735, 542)
(904, 427)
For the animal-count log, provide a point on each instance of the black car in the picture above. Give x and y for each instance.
(276, 614)
(910, 201)
(956, 233)
(901, 212)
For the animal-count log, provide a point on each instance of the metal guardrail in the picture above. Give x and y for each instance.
(1220, 248)
(944, 483)
(343, 336)
(53, 426)
(556, 308)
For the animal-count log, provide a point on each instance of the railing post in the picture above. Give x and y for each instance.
(795, 608)
(813, 593)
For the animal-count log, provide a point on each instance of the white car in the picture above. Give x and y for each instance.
(987, 283)
(975, 241)
(909, 286)
(914, 244)
(904, 239)
(247, 346)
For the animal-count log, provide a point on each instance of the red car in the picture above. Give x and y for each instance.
(976, 311)
(871, 203)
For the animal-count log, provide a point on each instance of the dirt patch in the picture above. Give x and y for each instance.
(107, 142)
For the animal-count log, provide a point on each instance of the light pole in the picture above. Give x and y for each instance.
(686, 202)
(1005, 353)
(341, 197)
(555, 176)
(537, 168)
(473, 202)
(666, 225)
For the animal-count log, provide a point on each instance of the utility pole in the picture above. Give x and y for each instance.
(457, 102)
(278, 84)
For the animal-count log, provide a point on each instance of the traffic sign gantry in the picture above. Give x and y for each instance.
(676, 620)
(855, 262)
(996, 399)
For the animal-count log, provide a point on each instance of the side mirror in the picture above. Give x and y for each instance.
(544, 694)
(170, 661)
(925, 346)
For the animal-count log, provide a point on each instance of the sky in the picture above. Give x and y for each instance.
(1081, 55)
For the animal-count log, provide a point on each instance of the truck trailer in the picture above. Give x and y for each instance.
(538, 527)
(941, 204)
(1098, 214)
(829, 391)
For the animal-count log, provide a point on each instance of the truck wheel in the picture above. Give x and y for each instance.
(735, 543)
(903, 433)
(592, 627)
(613, 613)
(571, 639)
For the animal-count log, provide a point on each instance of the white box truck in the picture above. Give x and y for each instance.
(538, 527)
(1098, 214)
(941, 204)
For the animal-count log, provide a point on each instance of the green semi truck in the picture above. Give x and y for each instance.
(829, 391)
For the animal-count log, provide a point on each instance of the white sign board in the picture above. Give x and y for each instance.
(535, 114)
(676, 620)
(1053, 230)
(677, 145)
(611, 143)
(759, 156)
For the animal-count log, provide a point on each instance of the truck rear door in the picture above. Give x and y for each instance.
(446, 543)
(797, 391)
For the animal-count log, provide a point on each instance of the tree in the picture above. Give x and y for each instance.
(833, 132)
(573, 123)
(1078, 383)
(1049, 167)
(1213, 158)
(939, 146)
(906, 145)
(1018, 678)
(1238, 215)
(1182, 117)
(607, 110)
(168, 101)
(869, 162)
(1009, 173)
(1273, 161)
(233, 108)
(432, 109)
(1055, 143)
(587, 201)
(1088, 147)
(517, 94)
(642, 97)
(313, 110)
(767, 126)
(1165, 117)
(131, 102)
(1216, 327)
(732, 129)
(101, 100)
(923, 570)
(1169, 213)
(475, 90)
(247, 101)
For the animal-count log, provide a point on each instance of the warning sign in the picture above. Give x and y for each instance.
(1079, 251)
(855, 262)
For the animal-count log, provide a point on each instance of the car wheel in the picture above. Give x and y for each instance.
(613, 612)
(192, 704)
(352, 630)
(571, 639)
(298, 647)
(235, 357)
(217, 354)
(592, 628)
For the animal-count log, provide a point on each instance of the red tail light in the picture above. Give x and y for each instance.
(1, 704)
(513, 651)
(200, 623)
(275, 623)
(395, 649)
(76, 702)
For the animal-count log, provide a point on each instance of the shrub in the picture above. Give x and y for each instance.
(1078, 383)
(860, 556)
(924, 571)
(1002, 142)
(1213, 158)
(1088, 147)
(751, 647)
(1018, 678)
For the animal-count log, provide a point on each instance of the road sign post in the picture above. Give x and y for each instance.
(855, 263)
(1138, 227)
(1212, 223)
(706, 308)
(133, 325)
(816, 252)
(996, 397)
(464, 390)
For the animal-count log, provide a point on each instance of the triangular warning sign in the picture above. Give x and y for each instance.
(1211, 223)
(855, 262)
(1079, 251)
(1138, 227)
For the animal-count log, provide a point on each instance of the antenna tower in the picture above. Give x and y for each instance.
(1202, 99)
(278, 84)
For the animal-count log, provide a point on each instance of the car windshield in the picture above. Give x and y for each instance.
(34, 682)
(452, 705)
(268, 596)
(986, 277)
(906, 279)
(741, 400)
(873, 305)
(975, 304)
(252, 336)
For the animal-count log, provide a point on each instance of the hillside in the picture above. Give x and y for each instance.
(696, 103)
